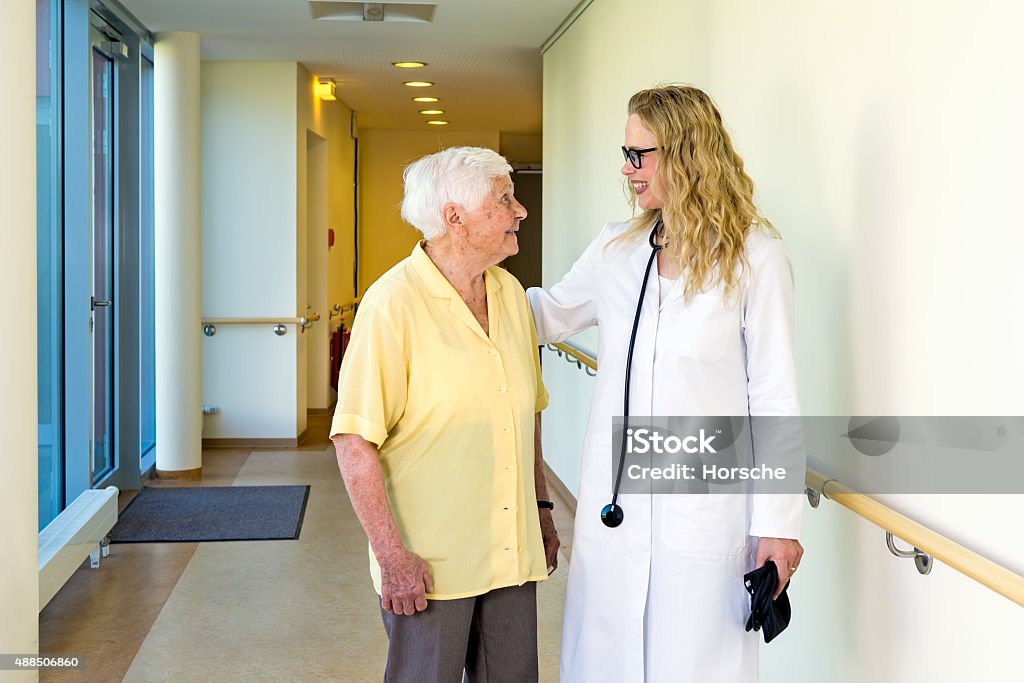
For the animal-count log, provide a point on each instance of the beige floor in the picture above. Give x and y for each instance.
(245, 611)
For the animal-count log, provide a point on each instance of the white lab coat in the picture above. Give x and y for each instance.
(661, 597)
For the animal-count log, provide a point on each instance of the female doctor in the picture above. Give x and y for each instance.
(660, 596)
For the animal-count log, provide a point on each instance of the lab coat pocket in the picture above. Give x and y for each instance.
(700, 328)
(704, 523)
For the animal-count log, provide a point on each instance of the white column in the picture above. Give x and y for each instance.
(19, 458)
(177, 240)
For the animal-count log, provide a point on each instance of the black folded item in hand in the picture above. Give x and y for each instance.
(767, 615)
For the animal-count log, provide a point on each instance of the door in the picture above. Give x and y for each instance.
(103, 157)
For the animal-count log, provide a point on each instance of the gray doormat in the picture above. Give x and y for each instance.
(212, 513)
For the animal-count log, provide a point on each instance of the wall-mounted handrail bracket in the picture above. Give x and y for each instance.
(923, 561)
(813, 497)
(575, 356)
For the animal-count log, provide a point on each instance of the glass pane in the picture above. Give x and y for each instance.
(103, 252)
(147, 317)
(49, 264)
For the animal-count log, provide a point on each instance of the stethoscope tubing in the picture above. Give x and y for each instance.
(611, 515)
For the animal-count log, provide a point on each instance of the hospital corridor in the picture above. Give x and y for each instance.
(799, 218)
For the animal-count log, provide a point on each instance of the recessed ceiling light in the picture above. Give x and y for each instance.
(432, 112)
(408, 65)
(438, 123)
(418, 84)
(425, 99)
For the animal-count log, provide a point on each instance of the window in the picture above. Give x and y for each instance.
(50, 264)
(94, 120)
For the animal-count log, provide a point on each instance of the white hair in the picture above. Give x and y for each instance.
(457, 175)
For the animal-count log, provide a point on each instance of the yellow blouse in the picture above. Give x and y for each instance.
(451, 410)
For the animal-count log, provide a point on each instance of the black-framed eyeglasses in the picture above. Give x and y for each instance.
(636, 156)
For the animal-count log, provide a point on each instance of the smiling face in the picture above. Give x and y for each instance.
(491, 228)
(644, 180)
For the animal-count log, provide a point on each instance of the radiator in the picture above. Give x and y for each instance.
(78, 532)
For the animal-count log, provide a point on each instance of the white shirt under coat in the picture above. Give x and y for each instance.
(661, 597)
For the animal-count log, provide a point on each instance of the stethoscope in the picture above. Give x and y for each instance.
(611, 514)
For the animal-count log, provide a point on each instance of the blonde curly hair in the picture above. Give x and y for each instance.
(709, 209)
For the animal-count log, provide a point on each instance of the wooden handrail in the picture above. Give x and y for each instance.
(582, 357)
(304, 322)
(261, 321)
(969, 563)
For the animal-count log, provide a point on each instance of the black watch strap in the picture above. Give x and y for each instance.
(545, 505)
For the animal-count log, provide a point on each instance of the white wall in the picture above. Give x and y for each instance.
(19, 586)
(277, 172)
(249, 246)
(884, 139)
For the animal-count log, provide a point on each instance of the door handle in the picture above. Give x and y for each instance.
(95, 303)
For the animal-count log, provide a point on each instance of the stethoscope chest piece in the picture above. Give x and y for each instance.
(612, 515)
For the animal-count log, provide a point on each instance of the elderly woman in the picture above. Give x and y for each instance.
(437, 435)
(655, 588)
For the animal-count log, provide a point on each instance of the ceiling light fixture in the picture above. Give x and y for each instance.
(432, 112)
(326, 89)
(408, 65)
(418, 84)
(404, 11)
(425, 99)
(438, 123)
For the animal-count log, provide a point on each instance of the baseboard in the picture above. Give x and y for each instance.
(564, 513)
(252, 443)
(319, 412)
(559, 490)
(180, 475)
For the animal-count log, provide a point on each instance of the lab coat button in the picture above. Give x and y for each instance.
(508, 429)
(502, 390)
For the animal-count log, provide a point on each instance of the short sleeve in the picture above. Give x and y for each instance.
(373, 383)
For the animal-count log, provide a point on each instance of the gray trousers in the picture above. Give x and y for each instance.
(493, 637)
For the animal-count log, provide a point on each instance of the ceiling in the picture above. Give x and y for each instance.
(483, 55)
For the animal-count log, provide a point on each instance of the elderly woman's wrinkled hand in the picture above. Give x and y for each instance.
(405, 580)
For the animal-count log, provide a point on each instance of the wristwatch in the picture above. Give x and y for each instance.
(545, 505)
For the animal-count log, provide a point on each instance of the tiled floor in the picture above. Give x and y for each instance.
(245, 611)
